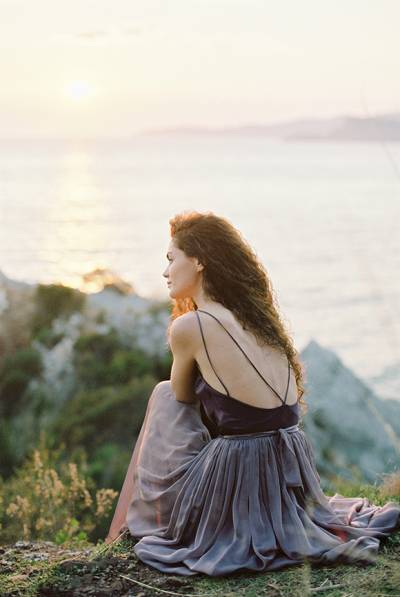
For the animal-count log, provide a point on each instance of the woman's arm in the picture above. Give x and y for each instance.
(183, 372)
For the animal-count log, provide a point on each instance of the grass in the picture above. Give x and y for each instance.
(105, 570)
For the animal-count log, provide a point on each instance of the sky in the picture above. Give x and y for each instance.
(99, 68)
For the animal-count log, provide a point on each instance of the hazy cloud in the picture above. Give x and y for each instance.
(91, 35)
(109, 34)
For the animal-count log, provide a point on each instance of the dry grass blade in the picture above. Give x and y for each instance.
(164, 590)
(324, 587)
(275, 587)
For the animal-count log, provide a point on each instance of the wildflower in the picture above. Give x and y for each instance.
(104, 499)
(19, 508)
(40, 524)
(37, 461)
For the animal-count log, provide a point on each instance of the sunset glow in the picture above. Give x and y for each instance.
(79, 90)
(81, 69)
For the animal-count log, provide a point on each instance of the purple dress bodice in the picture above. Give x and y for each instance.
(224, 415)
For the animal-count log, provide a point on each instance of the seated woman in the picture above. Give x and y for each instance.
(222, 477)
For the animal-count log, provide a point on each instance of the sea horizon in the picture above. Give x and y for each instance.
(322, 218)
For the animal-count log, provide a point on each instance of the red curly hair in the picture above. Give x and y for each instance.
(234, 277)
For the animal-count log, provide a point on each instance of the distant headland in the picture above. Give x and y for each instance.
(383, 127)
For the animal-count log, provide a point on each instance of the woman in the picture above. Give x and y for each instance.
(222, 477)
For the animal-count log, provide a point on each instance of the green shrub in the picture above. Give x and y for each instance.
(17, 371)
(109, 415)
(52, 301)
(108, 464)
(101, 360)
(48, 337)
(102, 346)
(27, 360)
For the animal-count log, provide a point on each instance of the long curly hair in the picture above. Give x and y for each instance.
(234, 277)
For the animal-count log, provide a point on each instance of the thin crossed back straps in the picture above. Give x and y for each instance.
(237, 343)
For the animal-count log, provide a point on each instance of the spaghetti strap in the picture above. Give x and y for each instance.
(288, 383)
(252, 364)
(205, 346)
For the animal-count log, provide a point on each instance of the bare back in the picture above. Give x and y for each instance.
(230, 370)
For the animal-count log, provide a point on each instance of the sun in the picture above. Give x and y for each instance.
(79, 90)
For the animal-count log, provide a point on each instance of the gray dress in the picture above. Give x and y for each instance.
(220, 486)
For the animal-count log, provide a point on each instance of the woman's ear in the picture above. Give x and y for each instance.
(199, 266)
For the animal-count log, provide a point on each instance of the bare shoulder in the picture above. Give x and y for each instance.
(183, 329)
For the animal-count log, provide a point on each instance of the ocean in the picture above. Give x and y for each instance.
(322, 217)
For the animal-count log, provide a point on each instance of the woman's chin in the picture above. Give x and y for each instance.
(173, 293)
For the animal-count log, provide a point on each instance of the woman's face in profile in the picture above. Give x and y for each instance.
(182, 273)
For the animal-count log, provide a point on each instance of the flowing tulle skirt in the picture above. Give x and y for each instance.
(254, 502)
